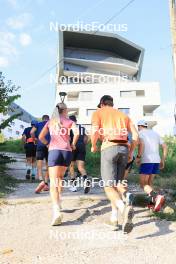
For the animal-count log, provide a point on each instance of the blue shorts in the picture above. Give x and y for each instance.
(149, 168)
(58, 157)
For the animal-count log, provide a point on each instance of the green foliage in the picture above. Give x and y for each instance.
(15, 146)
(7, 95)
(92, 162)
(171, 156)
(6, 182)
(2, 139)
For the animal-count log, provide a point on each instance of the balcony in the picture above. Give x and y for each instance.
(113, 65)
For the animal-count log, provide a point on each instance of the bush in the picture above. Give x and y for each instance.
(15, 146)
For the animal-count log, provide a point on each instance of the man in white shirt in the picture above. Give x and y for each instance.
(150, 162)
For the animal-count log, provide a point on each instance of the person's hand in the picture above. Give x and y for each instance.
(73, 147)
(162, 165)
(130, 157)
(94, 149)
(138, 161)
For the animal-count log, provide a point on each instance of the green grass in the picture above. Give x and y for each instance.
(15, 146)
(6, 182)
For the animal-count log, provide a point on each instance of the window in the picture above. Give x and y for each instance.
(125, 110)
(9, 130)
(86, 95)
(131, 94)
(89, 112)
(72, 96)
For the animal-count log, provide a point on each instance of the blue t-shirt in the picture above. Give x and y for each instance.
(26, 132)
(39, 127)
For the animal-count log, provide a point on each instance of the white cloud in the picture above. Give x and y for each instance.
(25, 39)
(3, 62)
(13, 3)
(165, 118)
(19, 22)
(7, 47)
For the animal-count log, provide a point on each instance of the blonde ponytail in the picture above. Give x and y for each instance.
(55, 122)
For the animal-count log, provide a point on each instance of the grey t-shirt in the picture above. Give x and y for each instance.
(151, 141)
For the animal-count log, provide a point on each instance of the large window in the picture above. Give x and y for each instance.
(89, 112)
(86, 95)
(72, 96)
(125, 110)
(133, 93)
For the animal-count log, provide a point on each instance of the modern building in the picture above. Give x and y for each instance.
(91, 65)
(17, 126)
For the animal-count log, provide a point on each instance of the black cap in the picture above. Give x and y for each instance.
(104, 99)
(73, 118)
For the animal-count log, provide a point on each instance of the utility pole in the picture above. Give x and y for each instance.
(172, 7)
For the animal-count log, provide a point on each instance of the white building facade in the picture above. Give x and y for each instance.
(90, 66)
(17, 126)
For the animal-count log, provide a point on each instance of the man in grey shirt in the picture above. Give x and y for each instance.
(150, 162)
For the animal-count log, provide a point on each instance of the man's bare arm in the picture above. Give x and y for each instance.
(42, 135)
(32, 132)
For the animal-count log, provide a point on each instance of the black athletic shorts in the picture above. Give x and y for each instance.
(130, 164)
(42, 153)
(79, 153)
(30, 149)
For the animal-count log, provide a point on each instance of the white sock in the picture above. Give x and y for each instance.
(40, 178)
(120, 205)
(56, 208)
(114, 215)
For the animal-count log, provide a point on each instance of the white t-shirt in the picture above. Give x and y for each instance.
(151, 141)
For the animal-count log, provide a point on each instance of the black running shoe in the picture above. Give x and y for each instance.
(87, 184)
(33, 177)
(28, 174)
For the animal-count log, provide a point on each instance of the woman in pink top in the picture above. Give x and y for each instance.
(60, 153)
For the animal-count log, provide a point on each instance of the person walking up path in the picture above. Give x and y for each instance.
(150, 162)
(30, 150)
(112, 127)
(41, 155)
(60, 153)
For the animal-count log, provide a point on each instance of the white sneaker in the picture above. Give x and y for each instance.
(57, 219)
(73, 189)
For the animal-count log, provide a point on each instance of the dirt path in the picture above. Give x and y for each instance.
(27, 237)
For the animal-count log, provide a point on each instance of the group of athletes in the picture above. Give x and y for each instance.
(61, 142)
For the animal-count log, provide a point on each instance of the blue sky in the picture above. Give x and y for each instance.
(28, 48)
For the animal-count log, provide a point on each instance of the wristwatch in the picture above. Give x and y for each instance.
(138, 157)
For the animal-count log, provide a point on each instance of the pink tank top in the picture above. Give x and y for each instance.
(60, 139)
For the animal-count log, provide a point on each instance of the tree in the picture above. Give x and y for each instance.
(8, 94)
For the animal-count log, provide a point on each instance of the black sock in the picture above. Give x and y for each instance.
(84, 177)
(73, 182)
(152, 197)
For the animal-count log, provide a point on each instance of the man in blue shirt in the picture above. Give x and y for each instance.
(41, 154)
(30, 149)
(78, 157)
